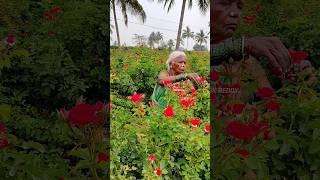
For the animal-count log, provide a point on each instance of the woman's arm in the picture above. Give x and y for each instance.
(270, 47)
(165, 77)
(222, 52)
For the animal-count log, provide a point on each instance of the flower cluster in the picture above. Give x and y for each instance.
(157, 171)
(249, 131)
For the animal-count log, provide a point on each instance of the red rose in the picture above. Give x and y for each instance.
(84, 114)
(273, 106)
(135, 97)
(102, 157)
(297, 56)
(265, 92)
(186, 102)
(242, 131)
(214, 75)
(3, 128)
(193, 90)
(203, 79)
(168, 112)
(167, 83)
(207, 128)
(3, 143)
(55, 10)
(243, 152)
(238, 108)
(249, 19)
(152, 158)
(157, 171)
(48, 16)
(10, 40)
(195, 122)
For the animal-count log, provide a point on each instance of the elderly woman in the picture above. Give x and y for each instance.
(233, 57)
(175, 72)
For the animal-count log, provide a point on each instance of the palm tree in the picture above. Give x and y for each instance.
(170, 44)
(133, 6)
(203, 6)
(201, 37)
(139, 39)
(151, 40)
(158, 37)
(187, 34)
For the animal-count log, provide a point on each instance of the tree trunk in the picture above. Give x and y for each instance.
(115, 21)
(180, 24)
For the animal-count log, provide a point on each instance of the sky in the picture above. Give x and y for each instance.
(158, 19)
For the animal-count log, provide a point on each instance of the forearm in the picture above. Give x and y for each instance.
(170, 79)
(222, 52)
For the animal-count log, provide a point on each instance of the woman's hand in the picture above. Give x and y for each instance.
(195, 78)
(270, 47)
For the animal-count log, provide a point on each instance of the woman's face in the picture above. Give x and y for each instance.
(178, 65)
(225, 17)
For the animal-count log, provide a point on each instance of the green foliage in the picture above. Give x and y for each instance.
(52, 64)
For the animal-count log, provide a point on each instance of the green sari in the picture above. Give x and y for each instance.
(158, 95)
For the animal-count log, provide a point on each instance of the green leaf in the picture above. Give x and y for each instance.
(34, 145)
(5, 111)
(162, 164)
(164, 171)
(82, 153)
(252, 162)
(272, 145)
(314, 147)
(284, 149)
(13, 139)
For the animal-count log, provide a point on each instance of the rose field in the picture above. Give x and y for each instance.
(149, 142)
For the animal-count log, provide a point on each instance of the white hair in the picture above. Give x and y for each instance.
(174, 55)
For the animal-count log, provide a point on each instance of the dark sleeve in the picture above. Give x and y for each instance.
(222, 52)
